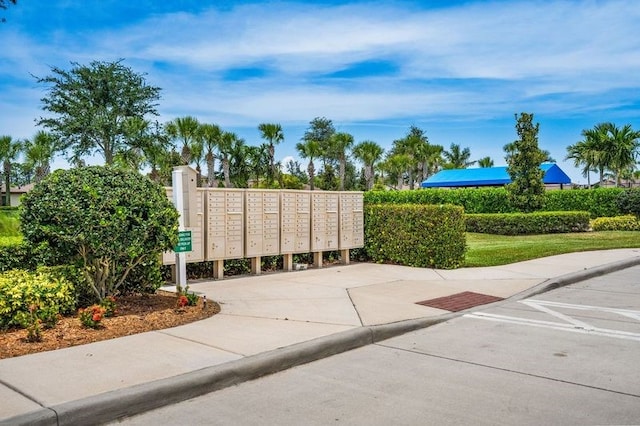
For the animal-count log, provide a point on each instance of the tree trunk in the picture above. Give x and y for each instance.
(272, 167)
(7, 183)
(211, 165)
(311, 171)
(367, 176)
(225, 170)
(342, 172)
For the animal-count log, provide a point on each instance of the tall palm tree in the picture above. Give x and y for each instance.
(9, 151)
(211, 135)
(624, 146)
(583, 158)
(39, 153)
(485, 162)
(310, 149)
(272, 133)
(612, 148)
(457, 158)
(597, 140)
(184, 129)
(341, 143)
(369, 153)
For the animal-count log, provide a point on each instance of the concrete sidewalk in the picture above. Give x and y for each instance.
(268, 323)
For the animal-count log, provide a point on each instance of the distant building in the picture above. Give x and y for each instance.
(15, 193)
(554, 177)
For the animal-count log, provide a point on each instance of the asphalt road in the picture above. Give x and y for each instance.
(566, 357)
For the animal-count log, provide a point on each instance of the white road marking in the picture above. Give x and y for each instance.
(570, 324)
(557, 326)
(540, 307)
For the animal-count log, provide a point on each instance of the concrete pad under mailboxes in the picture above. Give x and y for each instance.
(320, 310)
(250, 335)
(106, 366)
(264, 288)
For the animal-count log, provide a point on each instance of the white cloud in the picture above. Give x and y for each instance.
(473, 61)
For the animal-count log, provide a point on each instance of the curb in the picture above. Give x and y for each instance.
(574, 277)
(114, 405)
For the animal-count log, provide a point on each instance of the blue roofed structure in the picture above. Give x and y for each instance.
(490, 176)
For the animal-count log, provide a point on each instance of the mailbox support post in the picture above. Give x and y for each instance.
(178, 202)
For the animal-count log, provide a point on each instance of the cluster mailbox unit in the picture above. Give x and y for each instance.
(251, 223)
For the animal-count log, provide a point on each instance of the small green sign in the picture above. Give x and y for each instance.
(184, 242)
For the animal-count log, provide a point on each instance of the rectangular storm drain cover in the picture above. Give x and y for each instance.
(459, 301)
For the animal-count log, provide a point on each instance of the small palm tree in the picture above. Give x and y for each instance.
(310, 149)
(184, 129)
(397, 167)
(369, 153)
(9, 151)
(624, 146)
(341, 142)
(227, 146)
(485, 162)
(272, 133)
(211, 136)
(582, 157)
(39, 153)
(457, 158)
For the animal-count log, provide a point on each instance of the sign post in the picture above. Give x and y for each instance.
(181, 257)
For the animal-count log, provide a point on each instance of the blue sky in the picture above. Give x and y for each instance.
(460, 70)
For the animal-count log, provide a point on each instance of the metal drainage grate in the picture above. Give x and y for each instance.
(459, 301)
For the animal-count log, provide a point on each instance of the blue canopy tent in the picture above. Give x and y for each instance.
(490, 176)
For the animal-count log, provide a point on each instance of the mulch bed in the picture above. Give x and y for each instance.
(135, 314)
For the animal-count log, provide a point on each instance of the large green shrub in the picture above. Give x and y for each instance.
(43, 291)
(104, 219)
(528, 223)
(425, 236)
(617, 223)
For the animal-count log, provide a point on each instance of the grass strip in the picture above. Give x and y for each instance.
(494, 250)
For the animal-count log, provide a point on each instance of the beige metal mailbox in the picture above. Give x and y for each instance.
(324, 221)
(295, 222)
(295, 225)
(351, 220)
(262, 236)
(225, 223)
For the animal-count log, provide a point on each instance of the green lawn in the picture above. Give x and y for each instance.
(492, 250)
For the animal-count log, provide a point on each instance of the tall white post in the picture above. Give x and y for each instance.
(178, 202)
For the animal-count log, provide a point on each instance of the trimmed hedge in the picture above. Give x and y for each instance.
(598, 202)
(425, 236)
(474, 200)
(528, 223)
(618, 223)
(629, 201)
